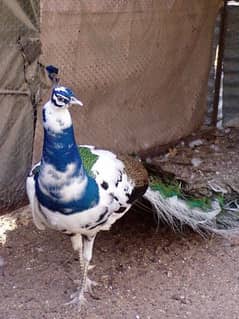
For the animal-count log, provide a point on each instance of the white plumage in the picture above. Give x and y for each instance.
(75, 223)
(65, 196)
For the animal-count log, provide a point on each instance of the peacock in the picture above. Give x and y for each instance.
(81, 190)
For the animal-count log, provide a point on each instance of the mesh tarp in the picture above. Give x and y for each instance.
(19, 83)
(140, 67)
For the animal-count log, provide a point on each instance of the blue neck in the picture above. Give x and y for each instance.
(60, 149)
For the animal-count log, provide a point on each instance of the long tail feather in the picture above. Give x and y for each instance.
(176, 212)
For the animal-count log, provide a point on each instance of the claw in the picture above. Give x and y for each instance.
(91, 267)
(77, 298)
(88, 288)
(74, 294)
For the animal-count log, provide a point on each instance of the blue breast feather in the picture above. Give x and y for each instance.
(60, 150)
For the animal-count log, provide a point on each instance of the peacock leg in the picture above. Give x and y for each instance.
(88, 243)
(85, 247)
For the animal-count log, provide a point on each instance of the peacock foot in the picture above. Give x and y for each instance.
(88, 288)
(77, 298)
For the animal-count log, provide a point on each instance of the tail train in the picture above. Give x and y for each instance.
(203, 215)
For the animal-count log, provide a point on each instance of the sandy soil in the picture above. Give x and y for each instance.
(142, 273)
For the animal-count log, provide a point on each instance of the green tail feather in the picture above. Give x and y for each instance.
(168, 186)
(174, 204)
(175, 189)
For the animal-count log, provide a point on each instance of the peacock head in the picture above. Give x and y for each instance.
(63, 97)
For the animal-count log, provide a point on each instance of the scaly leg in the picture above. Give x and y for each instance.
(85, 247)
(88, 287)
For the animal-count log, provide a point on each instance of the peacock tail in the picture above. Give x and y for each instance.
(175, 188)
(177, 207)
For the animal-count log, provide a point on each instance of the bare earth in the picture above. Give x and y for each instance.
(142, 273)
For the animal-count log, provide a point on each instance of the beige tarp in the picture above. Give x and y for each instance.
(140, 66)
(19, 51)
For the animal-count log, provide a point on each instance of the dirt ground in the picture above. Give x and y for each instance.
(142, 273)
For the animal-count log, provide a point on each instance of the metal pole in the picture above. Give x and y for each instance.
(221, 44)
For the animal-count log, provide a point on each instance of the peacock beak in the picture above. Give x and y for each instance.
(75, 101)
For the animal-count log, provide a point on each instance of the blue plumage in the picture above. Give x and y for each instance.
(52, 74)
(54, 202)
(62, 95)
(60, 149)
(51, 69)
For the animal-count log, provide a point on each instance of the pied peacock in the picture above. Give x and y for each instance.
(80, 190)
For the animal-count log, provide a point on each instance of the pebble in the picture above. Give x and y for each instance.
(2, 262)
(2, 265)
(197, 142)
(196, 162)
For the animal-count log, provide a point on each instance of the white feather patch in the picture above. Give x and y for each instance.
(70, 187)
(74, 190)
(107, 169)
(56, 118)
(174, 209)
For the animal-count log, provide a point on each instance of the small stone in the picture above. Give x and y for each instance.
(180, 298)
(196, 162)
(2, 262)
(2, 265)
(215, 148)
(197, 142)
